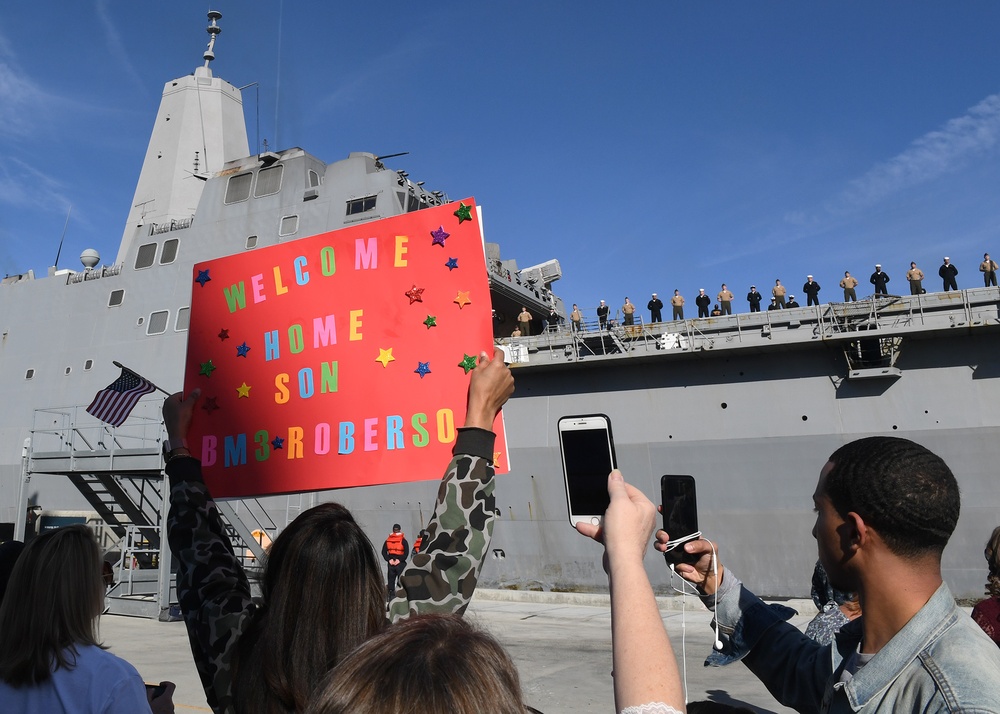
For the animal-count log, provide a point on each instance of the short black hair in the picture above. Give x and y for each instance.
(904, 491)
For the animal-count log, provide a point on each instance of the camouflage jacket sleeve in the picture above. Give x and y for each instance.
(443, 575)
(212, 588)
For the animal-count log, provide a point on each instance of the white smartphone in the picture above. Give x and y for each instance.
(588, 456)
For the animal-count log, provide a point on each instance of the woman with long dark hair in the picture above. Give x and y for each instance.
(322, 589)
(51, 659)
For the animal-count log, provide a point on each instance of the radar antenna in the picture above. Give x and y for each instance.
(214, 31)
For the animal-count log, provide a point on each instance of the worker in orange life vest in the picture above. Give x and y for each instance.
(419, 542)
(395, 551)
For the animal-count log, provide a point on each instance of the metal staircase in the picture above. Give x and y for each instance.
(119, 472)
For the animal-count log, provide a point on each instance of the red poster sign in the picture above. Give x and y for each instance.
(341, 359)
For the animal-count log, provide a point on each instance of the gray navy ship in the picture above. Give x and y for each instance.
(749, 404)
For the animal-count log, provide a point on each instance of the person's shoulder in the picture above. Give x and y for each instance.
(98, 660)
(966, 658)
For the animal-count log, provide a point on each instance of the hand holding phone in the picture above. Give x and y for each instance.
(588, 456)
(680, 516)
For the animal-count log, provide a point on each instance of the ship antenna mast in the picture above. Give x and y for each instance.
(214, 31)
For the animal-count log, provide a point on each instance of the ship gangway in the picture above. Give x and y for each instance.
(119, 472)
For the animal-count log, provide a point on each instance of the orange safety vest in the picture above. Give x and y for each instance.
(394, 544)
(416, 544)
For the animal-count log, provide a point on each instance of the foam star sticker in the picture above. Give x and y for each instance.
(451, 264)
(496, 458)
(415, 294)
(423, 368)
(277, 442)
(244, 391)
(468, 363)
(464, 213)
(210, 404)
(203, 277)
(385, 357)
(431, 321)
(207, 368)
(223, 334)
(439, 235)
(462, 299)
(242, 350)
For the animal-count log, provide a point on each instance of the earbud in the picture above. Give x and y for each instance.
(718, 645)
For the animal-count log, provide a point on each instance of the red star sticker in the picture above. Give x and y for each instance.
(415, 294)
(210, 405)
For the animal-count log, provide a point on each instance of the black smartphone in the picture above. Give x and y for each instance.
(588, 456)
(680, 515)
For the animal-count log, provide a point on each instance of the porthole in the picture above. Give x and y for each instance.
(289, 225)
(169, 252)
(158, 322)
(251, 242)
(29, 374)
(183, 319)
(88, 365)
(68, 371)
(144, 258)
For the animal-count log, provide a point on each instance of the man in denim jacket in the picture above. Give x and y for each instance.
(885, 510)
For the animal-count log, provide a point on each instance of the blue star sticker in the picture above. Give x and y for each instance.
(439, 235)
(203, 277)
(452, 264)
(277, 442)
(242, 350)
(423, 368)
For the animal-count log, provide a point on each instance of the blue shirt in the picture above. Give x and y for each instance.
(99, 683)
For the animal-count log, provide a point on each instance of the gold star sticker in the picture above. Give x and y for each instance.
(462, 299)
(244, 391)
(385, 356)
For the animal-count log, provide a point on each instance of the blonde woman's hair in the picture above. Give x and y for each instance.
(424, 665)
(53, 600)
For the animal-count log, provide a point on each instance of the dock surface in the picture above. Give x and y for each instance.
(561, 645)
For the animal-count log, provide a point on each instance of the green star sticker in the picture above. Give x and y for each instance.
(431, 321)
(464, 213)
(207, 368)
(468, 363)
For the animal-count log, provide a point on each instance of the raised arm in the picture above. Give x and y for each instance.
(443, 575)
(212, 588)
(645, 669)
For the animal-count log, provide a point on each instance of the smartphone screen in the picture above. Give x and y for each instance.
(680, 512)
(588, 457)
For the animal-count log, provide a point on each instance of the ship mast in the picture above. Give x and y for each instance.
(199, 123)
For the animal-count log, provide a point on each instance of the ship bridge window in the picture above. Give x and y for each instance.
(169, 252)
(116, 298)
(412, 204)
(29, 374)
(238, 188)
(289, 225)
(183, 319)
(251, 242)
(268, 181)
(157, 324)
(361, 205)
(313, 179)
(144, 258)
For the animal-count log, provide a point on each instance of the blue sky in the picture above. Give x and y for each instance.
(646, 145)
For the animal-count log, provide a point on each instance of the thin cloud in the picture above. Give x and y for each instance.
(21, 100)
(932, 155)
(116, 47)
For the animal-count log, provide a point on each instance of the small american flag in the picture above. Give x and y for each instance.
(115, 402)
